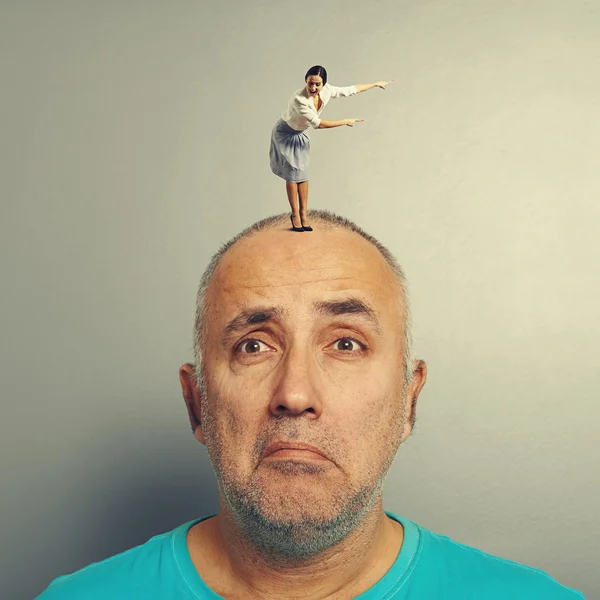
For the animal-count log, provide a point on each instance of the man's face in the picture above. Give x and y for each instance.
(305, 400)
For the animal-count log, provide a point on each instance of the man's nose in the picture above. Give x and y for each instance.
(297, 391)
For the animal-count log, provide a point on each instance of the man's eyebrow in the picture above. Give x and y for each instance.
(248, 318)
(349, 306)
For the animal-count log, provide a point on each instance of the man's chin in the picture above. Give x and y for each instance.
(297, 505)
(300, 525)
(300, 491)
(291, 467)
(306, 501)
(293, 499)
(297, 511)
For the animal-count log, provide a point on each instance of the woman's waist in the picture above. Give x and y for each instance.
(287, 127)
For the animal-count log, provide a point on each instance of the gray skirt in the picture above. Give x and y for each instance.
(289, 153)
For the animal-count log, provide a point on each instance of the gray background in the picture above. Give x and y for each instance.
(134, 141)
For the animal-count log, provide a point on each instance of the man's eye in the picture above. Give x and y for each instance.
(251, 347)
(347, 345)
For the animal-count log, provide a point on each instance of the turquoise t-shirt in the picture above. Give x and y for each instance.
(428, 567)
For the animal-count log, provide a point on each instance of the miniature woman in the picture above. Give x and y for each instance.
(290, 145)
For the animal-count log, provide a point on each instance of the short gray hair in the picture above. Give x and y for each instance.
(322, 217)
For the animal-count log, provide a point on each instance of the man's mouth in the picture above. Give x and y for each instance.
(283, 450)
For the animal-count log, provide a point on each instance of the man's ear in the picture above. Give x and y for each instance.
(192, 397)
(419, 377)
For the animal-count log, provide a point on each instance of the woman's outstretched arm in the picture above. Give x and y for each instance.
(329, 124)
(363, 87)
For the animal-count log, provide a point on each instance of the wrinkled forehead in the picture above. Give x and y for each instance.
(295, 267)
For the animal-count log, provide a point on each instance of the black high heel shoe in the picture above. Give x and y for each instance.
(294, 227)
(305, 227)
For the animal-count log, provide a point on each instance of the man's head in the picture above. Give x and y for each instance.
(304, 386)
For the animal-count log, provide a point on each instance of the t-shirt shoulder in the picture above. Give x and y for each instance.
(124, 575)
(496, 577)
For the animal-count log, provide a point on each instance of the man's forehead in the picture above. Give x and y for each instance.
(258, 314)
(276, 267)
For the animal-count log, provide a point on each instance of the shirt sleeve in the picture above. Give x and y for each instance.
(306, 112)
(342, 92)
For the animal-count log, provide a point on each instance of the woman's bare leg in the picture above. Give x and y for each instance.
(303, 195)
(292, 193)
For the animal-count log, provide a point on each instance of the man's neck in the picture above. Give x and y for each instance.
(234, 568)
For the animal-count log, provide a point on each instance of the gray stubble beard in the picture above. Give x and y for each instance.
(284, 542)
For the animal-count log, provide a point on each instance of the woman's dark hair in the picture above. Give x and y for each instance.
(319, 71)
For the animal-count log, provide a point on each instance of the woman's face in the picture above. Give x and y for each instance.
(314, 84)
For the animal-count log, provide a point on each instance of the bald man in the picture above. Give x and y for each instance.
(302, 390)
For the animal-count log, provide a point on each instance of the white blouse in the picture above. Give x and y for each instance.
(301, 112)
